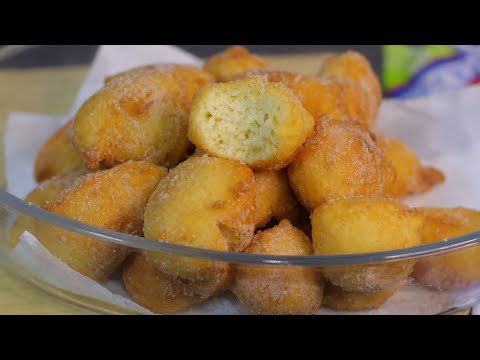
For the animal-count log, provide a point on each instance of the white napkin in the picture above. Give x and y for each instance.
(442, 129)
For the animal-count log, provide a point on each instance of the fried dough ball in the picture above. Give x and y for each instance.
(340, 99)
(155, 290)
(206, 203)
(365, 225)
(353, 67)
(339, 160)
(258, 123)
(452, 271)
(338, 299)
(412, 177)
(275, 199)
(58, 156)
(234, 61)
(112, 199)
(43, 193)
(273, 290)
(193, 77)
(139, 115)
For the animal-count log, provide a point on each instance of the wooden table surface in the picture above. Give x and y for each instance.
(52, 91)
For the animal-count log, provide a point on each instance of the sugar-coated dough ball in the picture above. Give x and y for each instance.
(338, 299)
(275, 290)
(46, 191)
(206, 203)
(232, 62)
(339, 160)
(139, 115)
(354, 68)
(340, 99)
(365, 225)
(258, 123)
(111, 199)
(451, 271)
(412, 177)
(154, 290)
(58, 156)
(275, 199)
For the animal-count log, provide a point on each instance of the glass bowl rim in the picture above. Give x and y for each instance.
(19, 206)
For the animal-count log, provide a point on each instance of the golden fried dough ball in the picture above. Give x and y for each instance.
(275, 199)
(258, 123)
(365, 225)
(58, 156)
(412, 177)
(452, 271)
(340, 99)
(112, 199)
(193, 77)
(206, 203)
(139, 115)
(234, 61)
(339, 160)
(155, 290)
(46, 191)
(338, 299)
(353, 67)
(278, 290)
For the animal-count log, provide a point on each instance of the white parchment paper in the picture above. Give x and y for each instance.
(443, 130)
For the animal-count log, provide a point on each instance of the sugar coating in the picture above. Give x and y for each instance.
(258, 123)
(458, 270)
(366, 225)
(279, 290)
(412, 177)
(112, 199)
(275, 199)
(139, 115)
(340, 98)
(339, 160)
(206, 203)
(58, 156)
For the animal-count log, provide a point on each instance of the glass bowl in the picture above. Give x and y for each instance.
(410, 298)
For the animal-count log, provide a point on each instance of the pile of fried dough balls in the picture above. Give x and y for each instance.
(237, 157)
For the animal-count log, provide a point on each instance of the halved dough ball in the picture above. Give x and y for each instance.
(206, 203)
(155, 290)
(452, 271)
(234, 61)
(339, 160)
(112, 199)
(43, 193)
(338, 98)
(412, 177)
(138, 115)
(275, 290)
(338, 299)
(258, 123)
(352, 67)
(366, 225)
(275, 199)
(58, 156)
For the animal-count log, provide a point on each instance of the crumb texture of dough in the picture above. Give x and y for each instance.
(258, 123)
